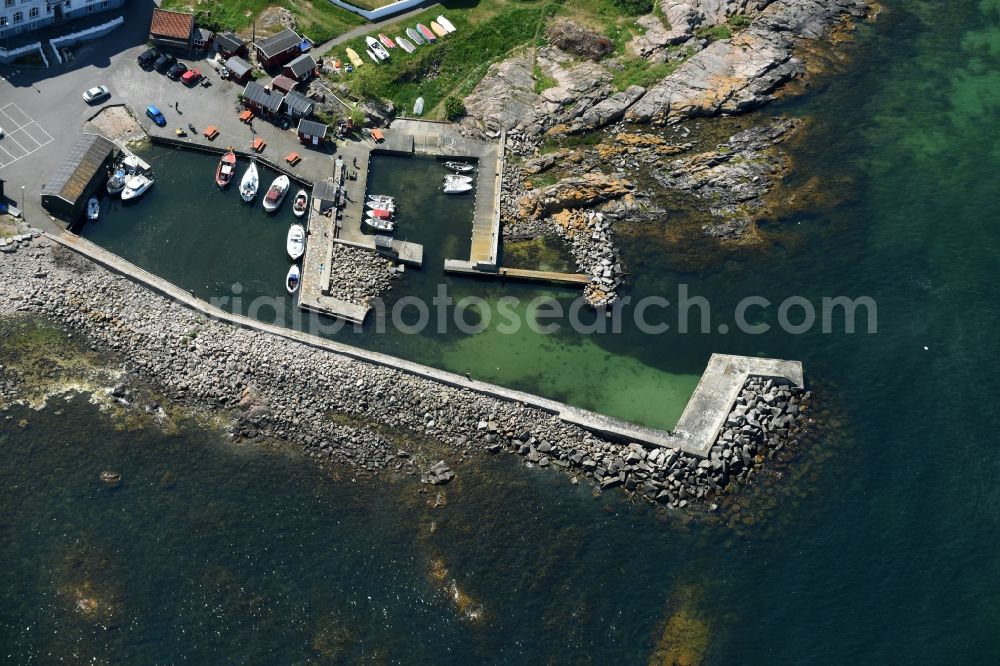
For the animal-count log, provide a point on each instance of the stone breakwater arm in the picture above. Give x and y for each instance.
(358, 412)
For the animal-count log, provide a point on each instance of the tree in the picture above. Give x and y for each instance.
(454, 108)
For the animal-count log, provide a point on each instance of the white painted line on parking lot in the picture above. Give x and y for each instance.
(19, 123)
(28, 129)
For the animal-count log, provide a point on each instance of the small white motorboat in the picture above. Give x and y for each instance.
(456, 188)
(417, 38)
(405, 44)
(418, 107)
(93, 208)
(301, 203)
(117, 181)
(382, 205)
(249, 183)
(296, 241)
(445, 23)
(457, 178)
(380, 225)
(276, 193)
(379, 214)
(292, 279)
(136, 186)
(374, 199)
(460, 167)
(377, 48)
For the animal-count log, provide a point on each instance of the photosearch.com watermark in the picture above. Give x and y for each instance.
(545, 315)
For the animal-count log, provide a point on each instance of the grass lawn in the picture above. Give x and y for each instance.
(318, 20)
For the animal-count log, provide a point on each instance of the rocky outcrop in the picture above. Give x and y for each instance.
(741, 73)
(505, 100)
(734, 177)
(608, 111)
(577, 40)
(573, 192)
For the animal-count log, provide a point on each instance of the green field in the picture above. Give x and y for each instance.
(316, 19)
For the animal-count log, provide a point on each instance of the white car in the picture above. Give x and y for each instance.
(95, 94)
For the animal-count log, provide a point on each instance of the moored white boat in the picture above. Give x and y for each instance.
(117, 181)
(381, 205)
(136, 186)
(93, 208)
(457, 178)
(461, 167)
(276, 193)
(379, 214)
(301, 203)
(295, 243)
(249, 183)
(379, 198)
(380, 225)
(456, 188)
(445, 23)
(292, 279)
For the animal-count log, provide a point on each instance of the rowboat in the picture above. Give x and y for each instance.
(418, 106)
(457, 178)
(136, 186)
(456, 188)
(387, 41)
(460, 167)
(249, 183)
(93, 208)
(380, 198)
(405, 44)
(379, 213)
(380, 225)
(353, 56)
(292, 279)
(438, 30)
(445, 23)
(415, 36)
(295, 243)
(371, 54)
(301, 203)
(276, 193)
(377, 48)
(427, 33)
(227, 167)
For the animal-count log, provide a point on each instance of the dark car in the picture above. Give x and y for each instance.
(148, 57)
(164, 62)
(176, 71)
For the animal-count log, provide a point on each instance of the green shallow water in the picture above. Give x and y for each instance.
(877, 548)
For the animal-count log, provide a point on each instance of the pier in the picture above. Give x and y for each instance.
(696, 432)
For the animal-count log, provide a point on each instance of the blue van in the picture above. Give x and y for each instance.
(155, 115)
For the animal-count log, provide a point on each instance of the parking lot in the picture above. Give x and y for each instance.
(22, 135)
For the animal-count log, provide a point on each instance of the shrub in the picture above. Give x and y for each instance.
(634, 7)
(454, 108)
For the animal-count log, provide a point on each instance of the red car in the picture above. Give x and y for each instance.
(191, 77)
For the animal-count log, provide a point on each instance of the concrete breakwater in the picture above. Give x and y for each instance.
(352, 412)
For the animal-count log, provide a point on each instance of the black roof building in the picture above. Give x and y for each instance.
(229, 43)
(278, 49)
(299, 106)
(66, 190)
(312, 128)
(301, 68)
(239, 67)
(261, 98)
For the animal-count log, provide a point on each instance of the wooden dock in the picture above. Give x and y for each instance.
(527, 275)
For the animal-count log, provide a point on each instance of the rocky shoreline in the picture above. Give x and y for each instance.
(349, 412)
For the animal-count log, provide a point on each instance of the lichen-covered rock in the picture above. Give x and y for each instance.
(573, 192)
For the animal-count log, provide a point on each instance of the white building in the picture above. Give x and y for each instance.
(21, 16)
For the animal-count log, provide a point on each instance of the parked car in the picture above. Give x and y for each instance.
(164, 63)
(95, 93)
(148, 57)
(176, 71)
(155, 115)
(191, 76)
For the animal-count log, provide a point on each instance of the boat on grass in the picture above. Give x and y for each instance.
(276, 193)
(445, 23)
(136, 186)
(426, 32)
(386, 41)
(418, 106)
(438, 30)
(460, 167)
(353, 56)
(372, 55)
(250, 182)
(93, 208)
(415, 36)
(295, 243)
(292, 279)
(226, 169)
(301, 203)
(405, 44)
(377, 48)
(456, 188)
